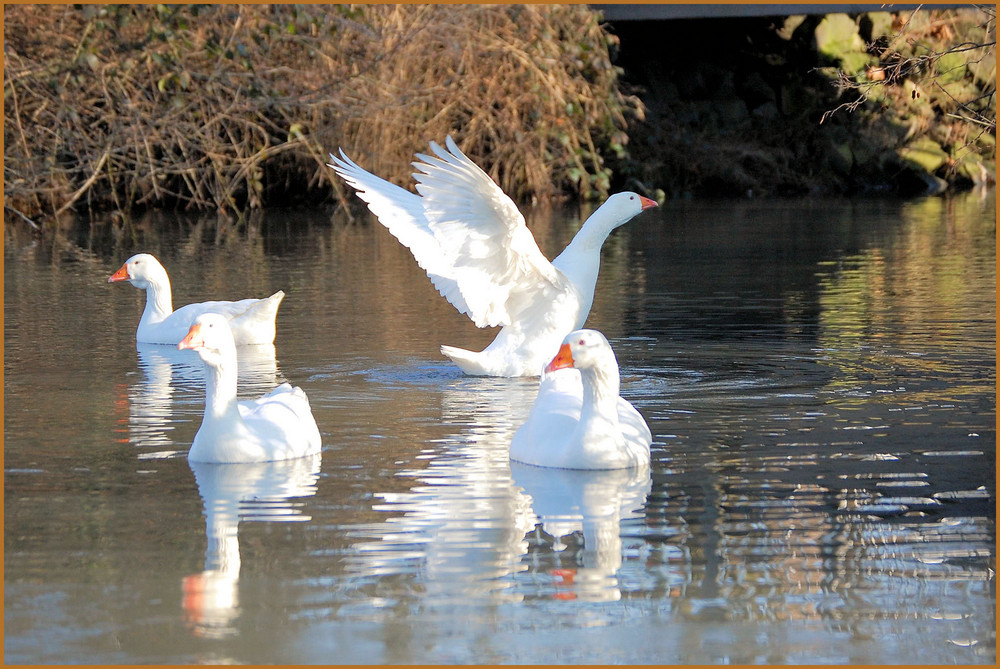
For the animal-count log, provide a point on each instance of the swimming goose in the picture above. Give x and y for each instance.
(276, 426)
(578, 421)
(473, 243)
(251, 320)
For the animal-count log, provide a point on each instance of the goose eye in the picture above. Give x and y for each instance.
(582, 342)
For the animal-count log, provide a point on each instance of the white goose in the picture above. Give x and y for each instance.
(251, 320)
(473, 243)
(578, 421)
(277, 426)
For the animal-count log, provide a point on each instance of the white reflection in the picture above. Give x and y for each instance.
(152, 411)
(593, 503)
(460, 530)
(260, 491)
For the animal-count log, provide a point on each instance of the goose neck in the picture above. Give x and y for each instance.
(592, 234)
(220, 388)
(600, 395)
(159, 300)
(222, 531)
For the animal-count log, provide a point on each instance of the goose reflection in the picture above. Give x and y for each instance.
(173, 379)
(232, 493)
(459, 531)
(593, 503)
(465, 530)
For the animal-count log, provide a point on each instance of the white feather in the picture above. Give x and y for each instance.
(276, 426)
(578, 420)
(251, 320)
(474, 245)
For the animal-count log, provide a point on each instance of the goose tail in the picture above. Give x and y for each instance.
(470, 362)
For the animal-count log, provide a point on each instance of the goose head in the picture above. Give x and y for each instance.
(141, 270)
(584, 350)
(211, 338)
(621, 208)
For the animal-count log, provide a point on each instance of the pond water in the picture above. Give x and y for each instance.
(818, 375)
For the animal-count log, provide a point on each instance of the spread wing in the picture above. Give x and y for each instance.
(463, 231)
(402, 213)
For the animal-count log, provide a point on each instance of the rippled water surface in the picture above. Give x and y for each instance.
(819, 378)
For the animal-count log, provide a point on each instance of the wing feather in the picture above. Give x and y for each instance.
(402, 213)
(464, 230)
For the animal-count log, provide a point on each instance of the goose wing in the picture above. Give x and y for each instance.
(463, 231)
(283, 416)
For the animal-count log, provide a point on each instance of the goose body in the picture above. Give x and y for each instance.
(251, 320)
(276, 426)
(474, 245)
(578, 420)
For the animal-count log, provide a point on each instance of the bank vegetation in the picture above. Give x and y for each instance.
(235, 107)
(232, 107)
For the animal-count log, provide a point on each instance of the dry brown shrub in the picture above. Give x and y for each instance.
(236, 106)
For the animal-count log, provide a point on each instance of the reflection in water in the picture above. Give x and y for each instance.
(169, 374)
(896, 312)
(592, 503)
(819, 377)
(460, 532)
(470, 527)
(232, 493)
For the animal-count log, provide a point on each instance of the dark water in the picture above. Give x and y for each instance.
(819, 378)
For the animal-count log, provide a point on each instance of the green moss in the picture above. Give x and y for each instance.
(837, 37)
(950, 68)
(879, 24)
(924, 154)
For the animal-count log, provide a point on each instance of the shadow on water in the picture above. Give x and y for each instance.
(819, 378)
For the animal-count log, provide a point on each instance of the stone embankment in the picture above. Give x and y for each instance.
(875, 102)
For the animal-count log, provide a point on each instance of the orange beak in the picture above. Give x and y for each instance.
(563, 359)
(647, 203)
(120, 275)
(193, 339)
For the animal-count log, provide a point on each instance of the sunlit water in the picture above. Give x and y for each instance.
(819, 378)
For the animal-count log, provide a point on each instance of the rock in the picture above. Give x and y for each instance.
(974, 170)
(836, 35)
(839, 155)
(797, 100)
(837, 38)
(923, 154)
(874, 25)
(787, 28)
(935, 185)
(732, 112)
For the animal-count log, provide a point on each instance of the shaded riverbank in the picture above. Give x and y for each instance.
(235, 107)
(765, 105)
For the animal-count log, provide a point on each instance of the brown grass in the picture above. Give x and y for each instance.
(235, 107)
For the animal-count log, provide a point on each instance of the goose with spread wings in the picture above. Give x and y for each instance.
(472, 241)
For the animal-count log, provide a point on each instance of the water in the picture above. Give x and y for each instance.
(819, 378)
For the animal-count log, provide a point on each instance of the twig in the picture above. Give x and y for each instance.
(87, 184)
(34, 226)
